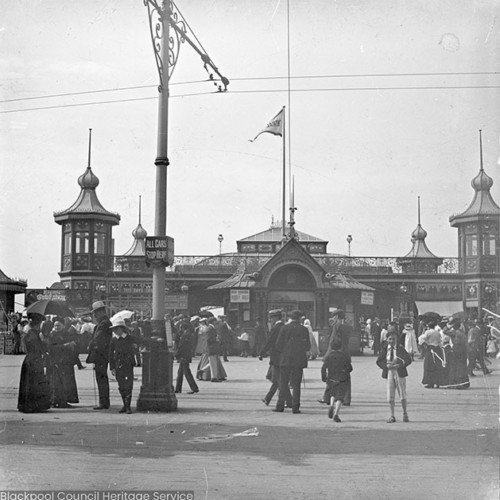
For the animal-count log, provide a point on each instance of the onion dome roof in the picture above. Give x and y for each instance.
(482, 204)
(88, 180)
(419, 249)
(87, 205)
(138, 248)
(139, 232)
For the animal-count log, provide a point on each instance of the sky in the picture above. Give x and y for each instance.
(385, 100)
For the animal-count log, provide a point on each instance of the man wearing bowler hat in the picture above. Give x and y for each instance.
(99, 352)
(293, 344)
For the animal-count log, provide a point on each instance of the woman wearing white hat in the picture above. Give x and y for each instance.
(122, 361)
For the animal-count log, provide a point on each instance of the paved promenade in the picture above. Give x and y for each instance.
(449, 450)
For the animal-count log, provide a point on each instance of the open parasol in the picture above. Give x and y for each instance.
(52, 307)
(431, 315)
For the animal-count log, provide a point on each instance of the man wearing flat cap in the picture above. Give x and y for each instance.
(99, 352)
(293, 344)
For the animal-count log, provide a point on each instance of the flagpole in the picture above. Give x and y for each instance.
(283, 212)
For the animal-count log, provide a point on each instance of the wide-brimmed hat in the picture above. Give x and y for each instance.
(119, 322)
(96, 306)
(336, 312)
(275, 312)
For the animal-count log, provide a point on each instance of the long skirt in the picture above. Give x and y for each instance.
(203, 369)
(314, 351)
(435, 371)
(458, 376)
(210, 367)
(34, 390)
(216, 368)
(62, 384)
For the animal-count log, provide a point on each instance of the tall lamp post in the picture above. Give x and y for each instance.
(168, 30)
(349, 241)
(220, 239)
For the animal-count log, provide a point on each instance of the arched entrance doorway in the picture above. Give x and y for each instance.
(293, 287)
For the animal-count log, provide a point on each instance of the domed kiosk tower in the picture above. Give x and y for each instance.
(479, 244)
(87, 244)
(419, 259)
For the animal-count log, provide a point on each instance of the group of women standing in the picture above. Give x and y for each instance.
(445, 351)
(210, 366)
(47, 373)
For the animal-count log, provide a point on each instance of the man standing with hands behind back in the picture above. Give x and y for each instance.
(99, 352)
(293, 344)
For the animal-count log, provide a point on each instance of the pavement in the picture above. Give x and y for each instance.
(449, 449)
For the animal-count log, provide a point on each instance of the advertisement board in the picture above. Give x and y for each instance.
(240, 296)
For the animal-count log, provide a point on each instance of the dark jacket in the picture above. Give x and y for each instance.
(342, 331)
(336, 367)
(401, 356)
(185, 344)
(270, 345)
(99, 345)
(213, 344)
(122, 352)
(293, 344)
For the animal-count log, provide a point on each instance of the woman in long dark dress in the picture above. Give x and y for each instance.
(458, 376)
(34, 390)
(61, 369)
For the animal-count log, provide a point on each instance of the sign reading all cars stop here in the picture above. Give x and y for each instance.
(160, 250)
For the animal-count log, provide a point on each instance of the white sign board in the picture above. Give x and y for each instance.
(367, 298)
(240, 296)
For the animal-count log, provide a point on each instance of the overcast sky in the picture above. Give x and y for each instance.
(360, 157)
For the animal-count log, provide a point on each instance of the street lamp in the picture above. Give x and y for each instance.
(168, 30)
(220, 239)
(349, 240)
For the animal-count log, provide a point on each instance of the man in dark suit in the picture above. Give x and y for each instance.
(293, 343)
(99, 352)
(184, 354)
(274, 361)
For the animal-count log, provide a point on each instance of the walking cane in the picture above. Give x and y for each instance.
(95, 392)
(303, 380)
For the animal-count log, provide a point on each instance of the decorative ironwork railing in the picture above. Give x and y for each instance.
(205, 264)
(249, 262)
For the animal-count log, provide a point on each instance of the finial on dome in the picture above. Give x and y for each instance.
(419, 233)
(90, 145)
(482, 181)
(88, 180)
(139, 233)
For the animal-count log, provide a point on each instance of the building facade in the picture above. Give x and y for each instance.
(271, 271)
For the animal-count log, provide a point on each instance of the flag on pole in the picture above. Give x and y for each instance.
(275, 126)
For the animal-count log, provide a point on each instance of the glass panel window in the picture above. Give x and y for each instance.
(99, 243)
(489, 244)
(471, 245)
(82, 242)
(67, 243)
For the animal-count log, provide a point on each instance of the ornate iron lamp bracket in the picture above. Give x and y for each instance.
(157, 17)
(169, 13)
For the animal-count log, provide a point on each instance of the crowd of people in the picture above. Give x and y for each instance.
(452, 350)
